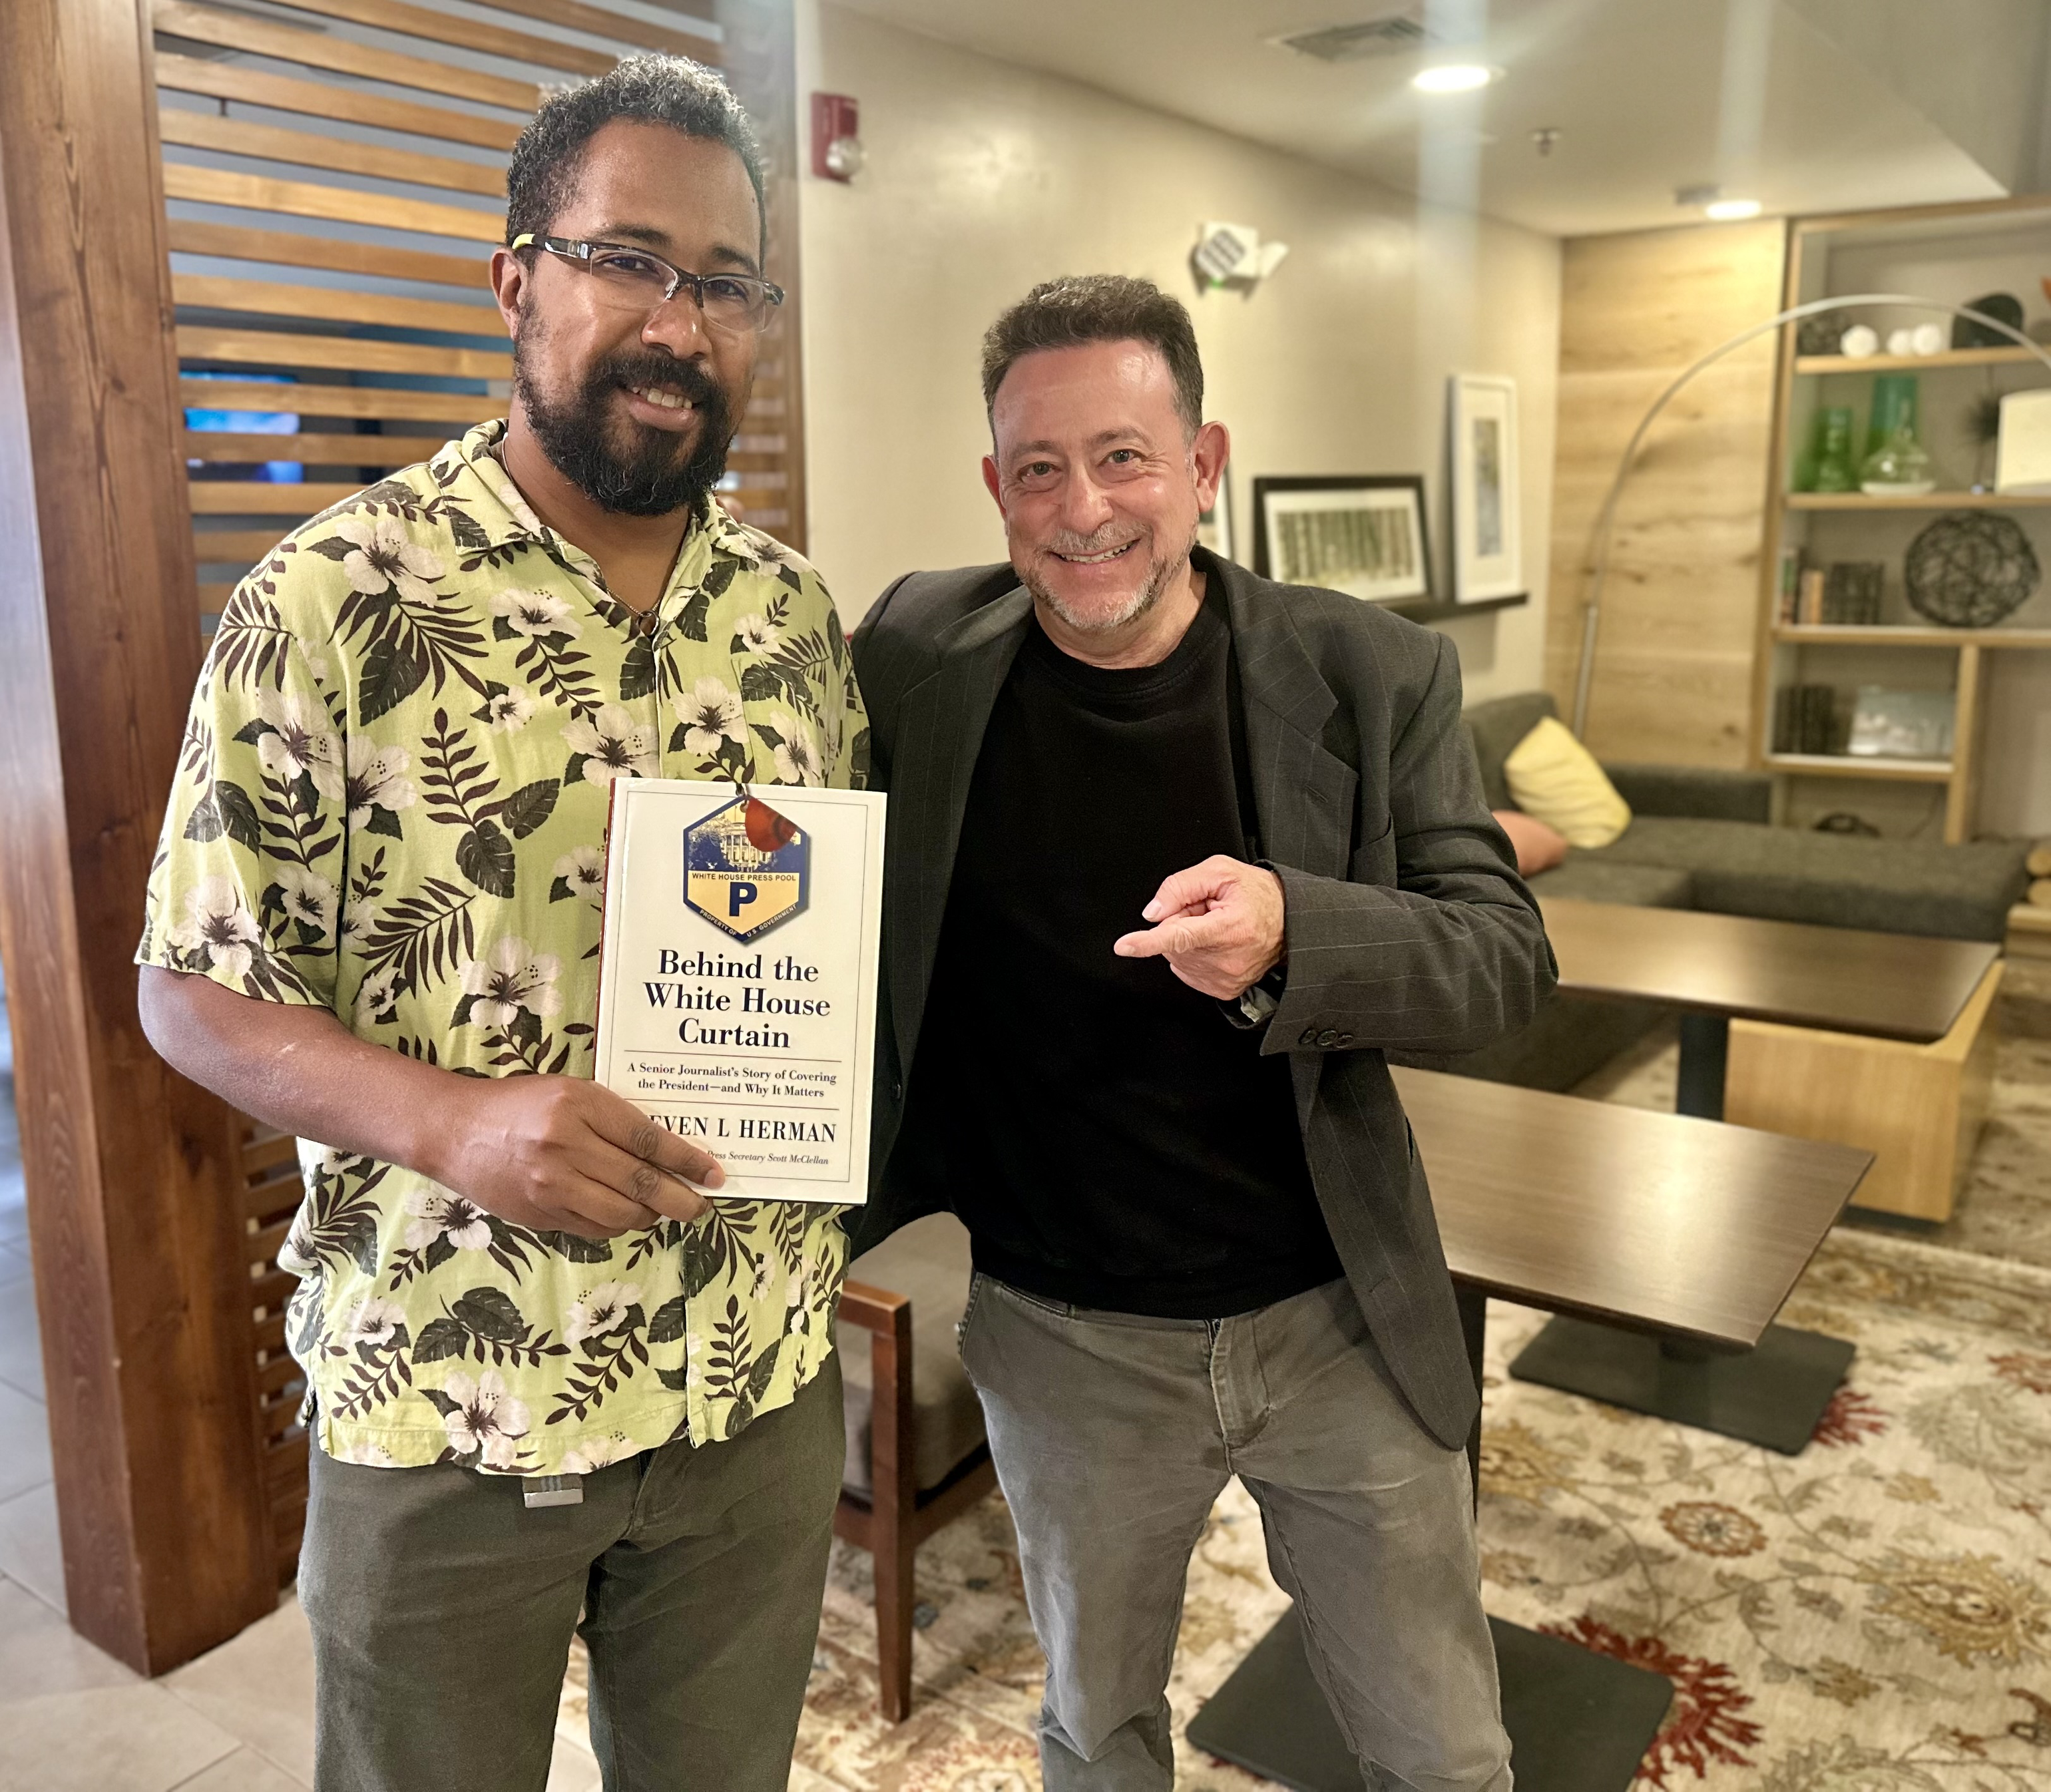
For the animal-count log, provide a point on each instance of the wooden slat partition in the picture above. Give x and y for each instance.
(307, 199)
(272, 298)
(316, 49)
(271, 143)
(467, 33)
(340, 401)
(312, 450)
(287, 93)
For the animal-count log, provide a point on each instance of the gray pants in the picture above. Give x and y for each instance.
(1114, 1435)
(442, 1610)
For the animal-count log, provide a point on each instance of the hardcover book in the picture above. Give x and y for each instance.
(737, 983)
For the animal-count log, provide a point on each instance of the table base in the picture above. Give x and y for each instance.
(1578, 1721)
(1773, 1395)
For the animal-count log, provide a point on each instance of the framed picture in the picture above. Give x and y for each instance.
(1214, 525)
(1481, 436)
(1360, 533)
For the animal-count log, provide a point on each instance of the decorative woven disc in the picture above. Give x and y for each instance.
(1971, 569)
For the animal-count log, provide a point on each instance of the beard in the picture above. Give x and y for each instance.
(1160, 571)
(630, 468)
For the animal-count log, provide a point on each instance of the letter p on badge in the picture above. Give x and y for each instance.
(746, 867)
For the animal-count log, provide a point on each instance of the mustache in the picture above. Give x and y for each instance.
(1066, 541)
(645, 368)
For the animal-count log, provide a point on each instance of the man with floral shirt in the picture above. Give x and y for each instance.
(374, 921)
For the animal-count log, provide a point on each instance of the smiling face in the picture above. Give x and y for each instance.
(635, 407)
(1099, 481)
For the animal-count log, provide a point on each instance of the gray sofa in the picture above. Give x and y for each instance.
(1700, 838)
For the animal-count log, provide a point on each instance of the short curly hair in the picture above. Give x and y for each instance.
(1082, 308)
(672, 90)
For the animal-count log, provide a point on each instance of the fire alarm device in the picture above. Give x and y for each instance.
(837, 151)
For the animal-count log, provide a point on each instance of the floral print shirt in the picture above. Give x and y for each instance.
(391, 804)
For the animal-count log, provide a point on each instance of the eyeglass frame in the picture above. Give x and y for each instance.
(578, 250)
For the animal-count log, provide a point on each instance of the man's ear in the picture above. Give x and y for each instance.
(1209, 451)
(508, 287)
(989, 478)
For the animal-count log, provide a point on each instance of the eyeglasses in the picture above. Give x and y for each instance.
(630, 280)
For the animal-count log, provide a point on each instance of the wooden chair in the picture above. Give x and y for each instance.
(917, 1458)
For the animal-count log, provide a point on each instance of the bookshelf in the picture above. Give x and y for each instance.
(1999, 678)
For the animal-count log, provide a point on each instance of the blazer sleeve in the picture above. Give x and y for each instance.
(1453, 955)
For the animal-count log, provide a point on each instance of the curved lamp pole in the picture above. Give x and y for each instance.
(1599, 537)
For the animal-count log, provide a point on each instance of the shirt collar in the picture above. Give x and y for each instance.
(469, 471)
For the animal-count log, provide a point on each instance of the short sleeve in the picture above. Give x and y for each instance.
(245, 888)
(841, 701)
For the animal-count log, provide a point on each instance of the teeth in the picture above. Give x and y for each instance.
(663, 396)
(1096, 559)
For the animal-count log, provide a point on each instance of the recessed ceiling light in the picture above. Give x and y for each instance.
(1729, 211)
(1452, 77)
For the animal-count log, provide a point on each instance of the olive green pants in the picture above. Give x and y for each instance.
(442, 1610)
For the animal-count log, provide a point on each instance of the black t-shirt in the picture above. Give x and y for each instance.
(1107, 1135)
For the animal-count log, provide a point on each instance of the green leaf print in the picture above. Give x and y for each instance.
(637, 675)
(529, 806)
(485, 855)
(393, 669)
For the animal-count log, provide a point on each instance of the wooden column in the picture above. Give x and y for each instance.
(141, 1274)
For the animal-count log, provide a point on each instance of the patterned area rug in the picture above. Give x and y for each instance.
(1874, 1615)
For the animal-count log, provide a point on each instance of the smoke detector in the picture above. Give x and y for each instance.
(1393, 34)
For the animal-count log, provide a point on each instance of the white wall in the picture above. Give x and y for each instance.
(984, 178)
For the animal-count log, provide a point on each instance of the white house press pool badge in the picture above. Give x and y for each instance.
(746, 867)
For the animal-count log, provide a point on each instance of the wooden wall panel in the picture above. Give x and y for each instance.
(141, 1277)
(1674, 670)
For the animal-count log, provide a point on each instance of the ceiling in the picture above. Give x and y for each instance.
(1820, 112)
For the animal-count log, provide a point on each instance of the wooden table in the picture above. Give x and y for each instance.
(1715, 968)
(1673, 1225)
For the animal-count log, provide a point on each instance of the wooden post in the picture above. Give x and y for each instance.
(141, 1272)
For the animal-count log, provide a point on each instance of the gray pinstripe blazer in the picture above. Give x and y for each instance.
(1407, 927)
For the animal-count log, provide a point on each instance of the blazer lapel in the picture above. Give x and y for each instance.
(1302, 793)
(940, 726)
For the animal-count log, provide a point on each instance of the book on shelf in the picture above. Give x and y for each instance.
(1805, 720)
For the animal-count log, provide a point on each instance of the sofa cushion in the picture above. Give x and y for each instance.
(1833, 880)
(1594, 877)
(927, 1262)
(1494, 728)
(1553, 776)
(1707, 792)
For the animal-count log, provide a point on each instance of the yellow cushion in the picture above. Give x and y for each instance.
(1555, 778)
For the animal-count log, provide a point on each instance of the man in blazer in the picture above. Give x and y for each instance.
(1176, 854)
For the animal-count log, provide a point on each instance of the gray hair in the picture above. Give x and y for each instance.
(672, 90)
(1082, 308)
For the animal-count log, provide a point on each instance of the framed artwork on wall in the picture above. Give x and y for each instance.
(1214, 525)
(1481, 439)
(1360, 533)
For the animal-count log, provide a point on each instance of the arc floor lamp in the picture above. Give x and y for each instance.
(1597, 559)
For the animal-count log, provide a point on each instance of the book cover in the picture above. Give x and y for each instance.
(737, 980)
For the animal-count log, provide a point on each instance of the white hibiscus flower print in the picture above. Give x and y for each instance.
(595, 1454)
(486, 1420)
(218, 924)
(436, 1212)
(602, 1311)
(383, 558)
(614, 745)
(583, 871)
(535, 614)
(712, 716)
(510, 977)
(509, 712)
(757, 635)
(377, 998)
(373, 1322)
(376, 778)
(798, 760)
(309, 898)
(298, 739)
(316, 662)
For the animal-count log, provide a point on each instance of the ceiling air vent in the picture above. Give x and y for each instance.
(1389, 36)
